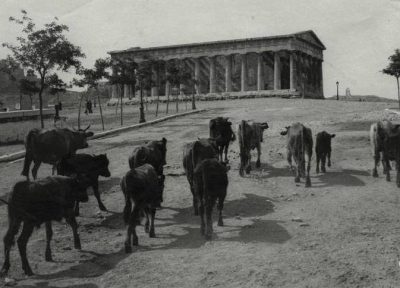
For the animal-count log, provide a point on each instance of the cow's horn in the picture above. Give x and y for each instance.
(87, 128)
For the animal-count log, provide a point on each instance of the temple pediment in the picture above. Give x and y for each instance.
(310, 37)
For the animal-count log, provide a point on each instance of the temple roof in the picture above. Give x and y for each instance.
(306, 36)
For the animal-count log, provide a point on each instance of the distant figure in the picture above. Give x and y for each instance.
(88, 107)
(57, 115)
(59, 105)
(348, 94)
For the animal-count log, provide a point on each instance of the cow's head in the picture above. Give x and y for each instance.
(102, 165)
(286, 131)
(79, 186)
(80, 138)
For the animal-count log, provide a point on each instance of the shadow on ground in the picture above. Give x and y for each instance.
(46, 285)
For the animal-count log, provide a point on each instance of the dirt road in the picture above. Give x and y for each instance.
(348, 235)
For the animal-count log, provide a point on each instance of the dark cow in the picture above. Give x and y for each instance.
(193, 154)
(323, 149)
(250, 136)
(50, 146)
(299, 145)
(92, 166)
(37, 202)
(153, 153)
(221, 131)
(211, 183)
(385, 142)
(144, 188)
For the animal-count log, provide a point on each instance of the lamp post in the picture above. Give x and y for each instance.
(337, 90)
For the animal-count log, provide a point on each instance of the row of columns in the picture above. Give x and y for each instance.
(294, 60)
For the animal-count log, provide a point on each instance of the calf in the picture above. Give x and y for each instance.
(385, 143)
(92, 166)
(153, 153)
(299, 145)
(250, 137)
(193, 154)
(221, 131)
(211, 183)
(41, 201)
(144, 188)
(323, 149)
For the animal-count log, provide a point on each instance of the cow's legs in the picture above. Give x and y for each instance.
(53, 169)
(307, 157)
(376, 163)
(298, 170)
(97, 195)
(147, 224)
(209, 229)
(72, 222)
(329, 159)
(13, 228)
(220, 207)
(201, 212)
(27, 164)
(385, 163)
(152, 216)
(49, 236)
(22, 241)
(248, 163)
(323, 161)
(35, 168)
(195, 204)
(317, 164)
(131, 236)
(76, 208)
(226, 153)
(244, 158)
(258, 163)
(220, 153)
(289, 159)
(398, 173)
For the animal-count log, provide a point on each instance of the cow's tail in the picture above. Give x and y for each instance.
(29, 144)
(233, 138)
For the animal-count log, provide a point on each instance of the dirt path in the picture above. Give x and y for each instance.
(348, 237)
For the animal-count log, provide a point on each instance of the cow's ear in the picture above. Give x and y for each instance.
(89, 134)
(212, 123)
(164, 140)
(264, 125)
(333, 135)
(283, 133)
(229, 123)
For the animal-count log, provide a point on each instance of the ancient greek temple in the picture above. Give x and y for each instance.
(284, 65)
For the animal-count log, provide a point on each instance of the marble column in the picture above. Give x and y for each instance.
(293, 71)
(126, 91)
(197, 75)
(321, 82)
(277, 71)
(212, 75)
(260, 75)
(243, 84)
(154, 86)
(228, 73)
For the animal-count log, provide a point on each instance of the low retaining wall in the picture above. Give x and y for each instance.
(212, 97)
(19, 115)
(21, 154)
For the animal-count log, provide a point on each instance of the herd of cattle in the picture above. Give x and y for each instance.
(57, 197)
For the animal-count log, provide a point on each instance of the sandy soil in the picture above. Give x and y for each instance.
(348, 235)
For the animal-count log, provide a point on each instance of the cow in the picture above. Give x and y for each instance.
(385, 142)
(299, 145)
(144, 187)
(210, 185)
(92, 166)
(50, 146)
(42, 201)
(193, 154)
(221, 131)
(323, 149)
(153, 153)
(250, 136)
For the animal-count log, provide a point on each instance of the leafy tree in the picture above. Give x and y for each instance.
(91, 79)
(44, 51)
(144, 79)
(393, 69)
(124, 73)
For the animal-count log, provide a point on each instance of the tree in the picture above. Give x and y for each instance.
(44, 51)
(144, 79)
(124, 73)
(393, 69)
(91, 79)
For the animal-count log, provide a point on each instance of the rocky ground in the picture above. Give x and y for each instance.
(342, 232)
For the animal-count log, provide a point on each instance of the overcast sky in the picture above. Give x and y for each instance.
(359, 35)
